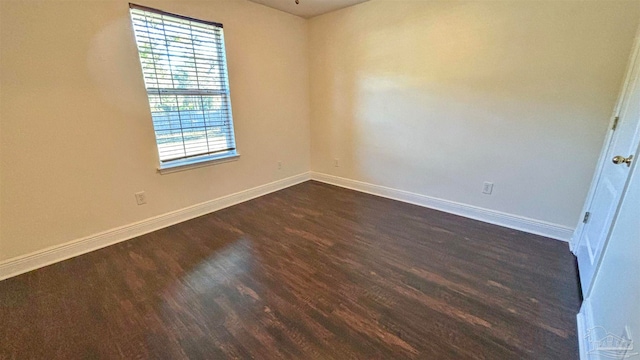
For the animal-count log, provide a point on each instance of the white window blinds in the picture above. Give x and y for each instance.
(185, 73)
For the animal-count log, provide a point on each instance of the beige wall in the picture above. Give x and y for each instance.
(429, 97)
(437, 97)
(77, 140)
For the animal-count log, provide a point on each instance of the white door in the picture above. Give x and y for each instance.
(612, 306)
(610, 180)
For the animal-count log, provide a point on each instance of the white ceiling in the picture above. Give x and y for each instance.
(308, 8)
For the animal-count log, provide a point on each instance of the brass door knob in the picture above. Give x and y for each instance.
(623, 160)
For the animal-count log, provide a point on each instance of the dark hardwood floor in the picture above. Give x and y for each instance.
(309, 272)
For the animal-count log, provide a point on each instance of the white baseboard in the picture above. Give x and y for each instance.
(585, 322)
(582, 333)
(516, 222)
(48, 256)
(41, 258)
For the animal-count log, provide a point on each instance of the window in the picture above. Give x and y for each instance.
(185, 73)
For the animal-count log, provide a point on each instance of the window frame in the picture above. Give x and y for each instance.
(207, 158)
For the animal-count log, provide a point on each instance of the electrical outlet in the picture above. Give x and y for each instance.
(279, 165)
(487, 188)
(336, 162)
(141, 198)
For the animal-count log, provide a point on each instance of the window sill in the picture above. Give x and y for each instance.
(188, 164)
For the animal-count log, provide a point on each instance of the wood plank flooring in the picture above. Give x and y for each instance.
(309, 272)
